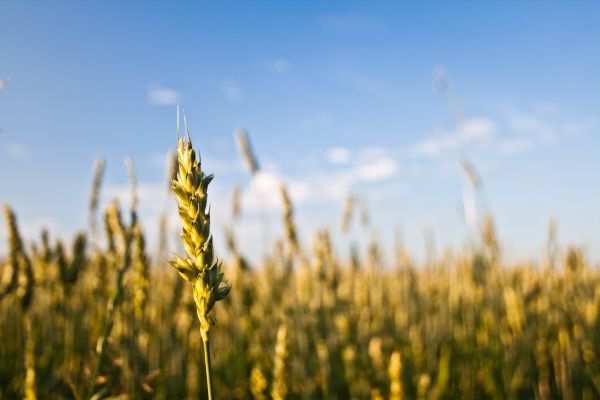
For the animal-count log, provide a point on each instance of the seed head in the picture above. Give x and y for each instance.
(199, 266)
(21, 272)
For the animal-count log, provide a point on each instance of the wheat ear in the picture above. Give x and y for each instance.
(199, 266)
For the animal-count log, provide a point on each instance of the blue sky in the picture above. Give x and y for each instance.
(337, 97)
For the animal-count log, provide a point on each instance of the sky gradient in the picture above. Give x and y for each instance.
(337, 97)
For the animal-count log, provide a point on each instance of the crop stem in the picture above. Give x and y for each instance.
(208, 368)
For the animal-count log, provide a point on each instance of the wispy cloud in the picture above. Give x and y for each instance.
(515, 145)
(17, 150)
(232, 91)
(510, 134)
(362, 83)
(161, 96)
(377, 170)
(477, 129)
(279, 66)
(324, 184)
(338, 155)
(582, 127)
(374, 164)
(473, 131)
(545, 126)
(162, 160)
(327, 185)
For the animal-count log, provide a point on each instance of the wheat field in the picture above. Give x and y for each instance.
(99, 318)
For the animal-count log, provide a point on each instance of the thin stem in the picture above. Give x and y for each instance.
(100, 347)
(207, 365)
(111, 307)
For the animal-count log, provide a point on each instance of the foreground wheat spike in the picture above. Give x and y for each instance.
(199, 266)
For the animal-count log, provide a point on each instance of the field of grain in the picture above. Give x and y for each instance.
(99, 318)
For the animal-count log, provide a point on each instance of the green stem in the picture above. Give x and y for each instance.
(208, 369)
(111, 307)
(100, 347)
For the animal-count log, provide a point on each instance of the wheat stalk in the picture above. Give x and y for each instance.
(199, 266)
(395, 373)
(288, 220)
(280, 389)
(113, 217)
(236, 203)
(99, 168)
(22, 280)
(246, 151)
(20, 275)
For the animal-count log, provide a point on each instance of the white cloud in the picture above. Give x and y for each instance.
(160, 96)
(161, 160)
(17, 150)
(320, 186)
(543, 126)
(330, 186)
(579, 128)
(477, 129)
(279, 66)
(299, 191)
(231, 90)
(473, 131)
(376, 170)
(433, 146)
(264, 190)
(521, 123)
(520, 132)
(368, 165)
(515, 145)
(338, 155)
(374, 164)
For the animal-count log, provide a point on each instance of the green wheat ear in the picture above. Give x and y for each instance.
(199, 266)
